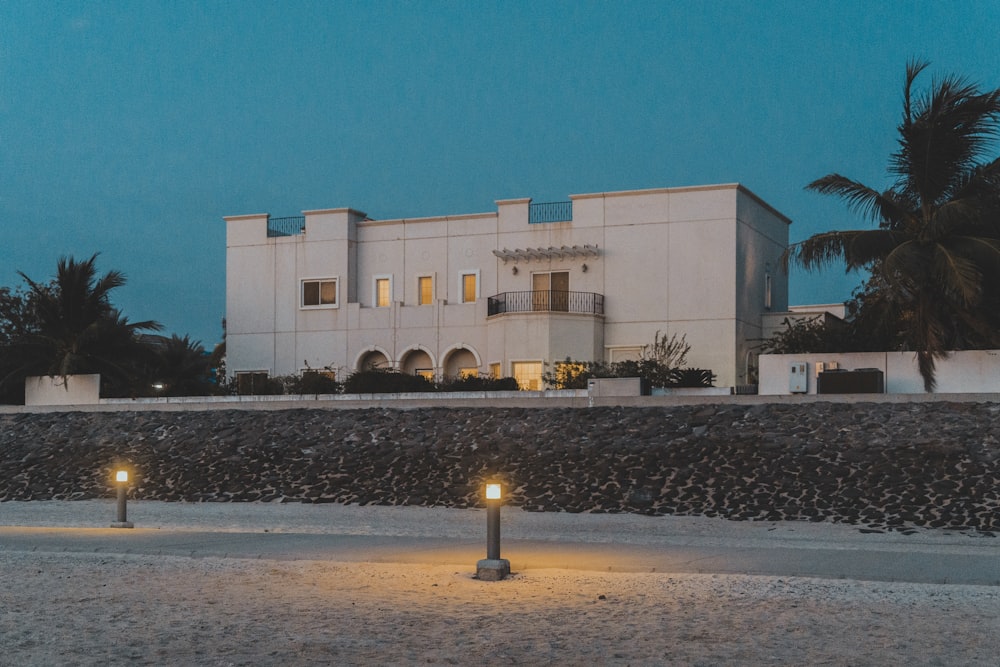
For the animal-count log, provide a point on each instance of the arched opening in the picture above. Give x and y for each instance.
(374, 360)
(460, 363)
(418, 362)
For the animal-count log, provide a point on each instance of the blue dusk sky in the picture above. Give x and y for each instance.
(129, 128)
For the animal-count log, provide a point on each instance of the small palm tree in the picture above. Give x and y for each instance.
(935, 255)
(182, 367)
(75, 328)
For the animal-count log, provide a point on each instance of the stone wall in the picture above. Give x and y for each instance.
(880, 465)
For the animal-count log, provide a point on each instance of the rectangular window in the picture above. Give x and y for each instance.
(249, 383)
(495, 371)
(470, 287)
(528, 374)
(425, 373)
(468, 372)
(319, 293)
(382, 291)
(425, 290)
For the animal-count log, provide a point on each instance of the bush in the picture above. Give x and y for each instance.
(313, 382)
(478, 383)
(385, 382)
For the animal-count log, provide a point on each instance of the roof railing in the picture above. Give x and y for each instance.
(553, 211)
(291, 226)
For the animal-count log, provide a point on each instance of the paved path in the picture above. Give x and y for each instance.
(621, 543)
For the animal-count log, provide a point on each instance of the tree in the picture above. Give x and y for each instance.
(15, 315)
(180, 367)
(934, 257)
(75, 329)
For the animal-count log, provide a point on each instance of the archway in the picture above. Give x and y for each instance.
(461, 362)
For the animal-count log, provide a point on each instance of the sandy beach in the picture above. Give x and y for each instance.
(136, 609)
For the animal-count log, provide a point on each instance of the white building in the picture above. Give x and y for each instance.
(506, 292)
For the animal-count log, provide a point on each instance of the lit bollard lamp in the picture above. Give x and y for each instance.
(492, 568)
(121, 478)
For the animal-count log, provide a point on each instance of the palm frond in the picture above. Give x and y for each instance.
(869, 203)
(957, 275)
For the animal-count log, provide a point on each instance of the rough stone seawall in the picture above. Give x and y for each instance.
(876, 464)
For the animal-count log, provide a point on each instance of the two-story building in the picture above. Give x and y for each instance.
(511, 292)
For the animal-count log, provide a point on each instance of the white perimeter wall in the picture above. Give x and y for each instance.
(972, 371)
(71, 390)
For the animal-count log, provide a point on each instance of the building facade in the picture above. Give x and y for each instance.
(507, 293)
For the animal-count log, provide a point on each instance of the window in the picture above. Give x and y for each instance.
(425, 373)
(767, 291)
(495, 371)
(251, 382)
(568, 375)
(319, 293)
(425, 290)
(468, 372)
(382, 291)
(469, 286)
(528, 374)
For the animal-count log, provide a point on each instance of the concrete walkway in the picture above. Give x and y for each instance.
(605, 543)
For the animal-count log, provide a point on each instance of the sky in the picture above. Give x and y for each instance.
(129, 128)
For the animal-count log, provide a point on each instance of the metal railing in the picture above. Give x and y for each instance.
(546, 301)
(291, 226)
(555, 211)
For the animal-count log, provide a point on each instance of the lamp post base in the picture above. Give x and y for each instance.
(492, 569)
(123, 524)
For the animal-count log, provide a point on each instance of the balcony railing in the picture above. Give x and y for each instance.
(286, 226)
(555, 211)
(546, 301)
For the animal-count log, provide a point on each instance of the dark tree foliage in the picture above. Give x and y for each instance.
(934, 256)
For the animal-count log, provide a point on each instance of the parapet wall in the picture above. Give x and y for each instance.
(878, 464)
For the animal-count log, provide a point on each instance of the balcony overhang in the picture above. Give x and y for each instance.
(552, 252)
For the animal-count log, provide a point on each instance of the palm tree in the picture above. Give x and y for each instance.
(182, 368)
(934, 257)
(75, 328)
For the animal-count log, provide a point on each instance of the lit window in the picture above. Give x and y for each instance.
(470, 290)
(425, 290)
(495, 371)
(528, 374)
(568, 372)
(468, 372)
(425, 373)
(319, 293)
(383, 291)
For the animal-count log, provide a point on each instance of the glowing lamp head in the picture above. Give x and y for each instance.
(121, 476)
(492, 492)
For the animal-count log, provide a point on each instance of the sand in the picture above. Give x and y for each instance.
(99, 609)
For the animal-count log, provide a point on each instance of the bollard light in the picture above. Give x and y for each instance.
(121, 478)
(493, 568)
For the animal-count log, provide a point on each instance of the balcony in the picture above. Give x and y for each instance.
(546, 301)
(292, 226)
(556, 211)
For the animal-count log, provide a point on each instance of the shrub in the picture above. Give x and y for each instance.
(385, 382)
(478, 383)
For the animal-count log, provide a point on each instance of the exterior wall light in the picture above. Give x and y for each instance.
(121, 479)
(493, 568)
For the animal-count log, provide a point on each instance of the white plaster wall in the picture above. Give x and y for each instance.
(971, 371)
(57, 390)
(669, 261)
